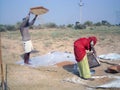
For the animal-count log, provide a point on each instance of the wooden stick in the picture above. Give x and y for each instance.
(1, 64)
(110, 63)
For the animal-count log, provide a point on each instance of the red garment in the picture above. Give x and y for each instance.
(81, 45)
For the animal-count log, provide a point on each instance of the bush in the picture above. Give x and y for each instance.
(2, 28)
(7, 27)
(80, 26)
(88, 23)
(50, 25)
(10, 27)
(70, 25)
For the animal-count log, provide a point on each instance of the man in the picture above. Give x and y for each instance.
(27, 44)
(80, 47)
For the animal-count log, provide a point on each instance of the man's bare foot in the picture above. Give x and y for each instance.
(27, 63)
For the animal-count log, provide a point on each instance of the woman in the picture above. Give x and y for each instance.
(80, 47)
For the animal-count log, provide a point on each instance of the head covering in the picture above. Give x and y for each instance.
(93, 38)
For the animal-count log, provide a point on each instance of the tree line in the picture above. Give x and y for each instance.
(77, 25)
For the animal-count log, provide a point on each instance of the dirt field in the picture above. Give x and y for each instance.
(59, 76)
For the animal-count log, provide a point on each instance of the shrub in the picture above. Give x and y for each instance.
(2, 28)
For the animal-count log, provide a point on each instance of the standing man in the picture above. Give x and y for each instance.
(80, 47)
(27, 44)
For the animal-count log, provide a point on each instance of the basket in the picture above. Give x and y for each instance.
(92, 60)
(38, 10)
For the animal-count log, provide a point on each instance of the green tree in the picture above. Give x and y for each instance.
(50, 25)
(70, 25)
(106, 23)
(98, 24)
(10, 27)
(2, 28)
(88, 23)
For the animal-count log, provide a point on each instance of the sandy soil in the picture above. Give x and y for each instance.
(59, 76)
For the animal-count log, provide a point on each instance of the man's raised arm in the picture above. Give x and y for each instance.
(25, 20)
(33, 21)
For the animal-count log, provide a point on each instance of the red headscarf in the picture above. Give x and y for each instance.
(93, 38)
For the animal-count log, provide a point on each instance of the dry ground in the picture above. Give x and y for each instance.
(60, 76)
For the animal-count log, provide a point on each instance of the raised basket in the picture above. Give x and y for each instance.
(38, 10)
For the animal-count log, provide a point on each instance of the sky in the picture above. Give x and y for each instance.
(61, 11)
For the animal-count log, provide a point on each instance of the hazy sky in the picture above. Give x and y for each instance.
(61, 11)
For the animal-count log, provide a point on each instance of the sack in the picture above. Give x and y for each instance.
(38, 10)
(92, 60)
